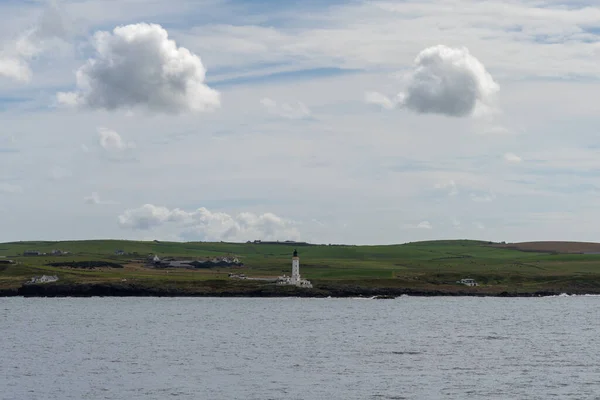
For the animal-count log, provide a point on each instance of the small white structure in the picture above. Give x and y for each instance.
(295, 279)
(468, 282)
(43, 279)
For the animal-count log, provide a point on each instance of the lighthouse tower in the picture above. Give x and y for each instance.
(295, 268)
(295, 279)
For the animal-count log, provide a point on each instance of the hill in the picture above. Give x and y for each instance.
(554, 247)
(423, 267)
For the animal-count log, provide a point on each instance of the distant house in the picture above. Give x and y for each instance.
(6, 261)
(179, 264)
(468, 282)
(32, 253)
(43, 279)
(59, 252)
(120, 252)
(208, 263)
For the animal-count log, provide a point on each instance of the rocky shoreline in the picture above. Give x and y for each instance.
(115, 290)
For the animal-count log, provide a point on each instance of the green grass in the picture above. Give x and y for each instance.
(421, 264)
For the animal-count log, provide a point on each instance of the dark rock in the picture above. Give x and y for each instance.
(8, 292)
(218, 288)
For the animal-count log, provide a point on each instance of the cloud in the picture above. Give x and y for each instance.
(543, 39)
(450, 186)
(95, 199)
(15, 58)
(15, 68)
(456, 223)
(483, 198)
(111, 141)
(448, 81)
(380, 100)
(7, 188)
(139, 66)
(512, 158)
(424, 225)
(286, 110)
(207, 225)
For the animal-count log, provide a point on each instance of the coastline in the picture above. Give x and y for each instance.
(116, 290)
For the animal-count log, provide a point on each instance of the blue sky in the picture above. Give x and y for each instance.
(336, 122)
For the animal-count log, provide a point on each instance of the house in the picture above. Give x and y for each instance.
(32, 253)
(59, 252)
(120, 252)
(207, 263)
(179, 264)
(42, 279)
(153, 259)
(468, 282)
(6, 261)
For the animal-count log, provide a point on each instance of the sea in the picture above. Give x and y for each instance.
(305, 349)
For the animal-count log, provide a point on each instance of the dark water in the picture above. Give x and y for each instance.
(408, 348)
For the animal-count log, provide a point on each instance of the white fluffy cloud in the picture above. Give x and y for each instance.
(15, 68)
(286, 110)
(94, 198)
(380, 100)
(207, 225)
(424, 225)
(450, 186)
(448, 81)
(512, 158)
(445, 80)
(111, 141)
(138, 65)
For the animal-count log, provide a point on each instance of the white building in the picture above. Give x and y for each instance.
(43, 279)
(295, 279)
(468, 282)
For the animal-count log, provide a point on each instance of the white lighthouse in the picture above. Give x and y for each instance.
(295, 268)
(295, 279)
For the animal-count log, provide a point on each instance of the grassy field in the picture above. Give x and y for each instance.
(435, 265)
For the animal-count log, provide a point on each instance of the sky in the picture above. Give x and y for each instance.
(356, 122)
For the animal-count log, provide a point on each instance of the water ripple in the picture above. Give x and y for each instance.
(409, 348)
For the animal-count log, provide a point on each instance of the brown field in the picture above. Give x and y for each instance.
(553, 247)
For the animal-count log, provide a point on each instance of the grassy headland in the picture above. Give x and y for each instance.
(424, 268)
